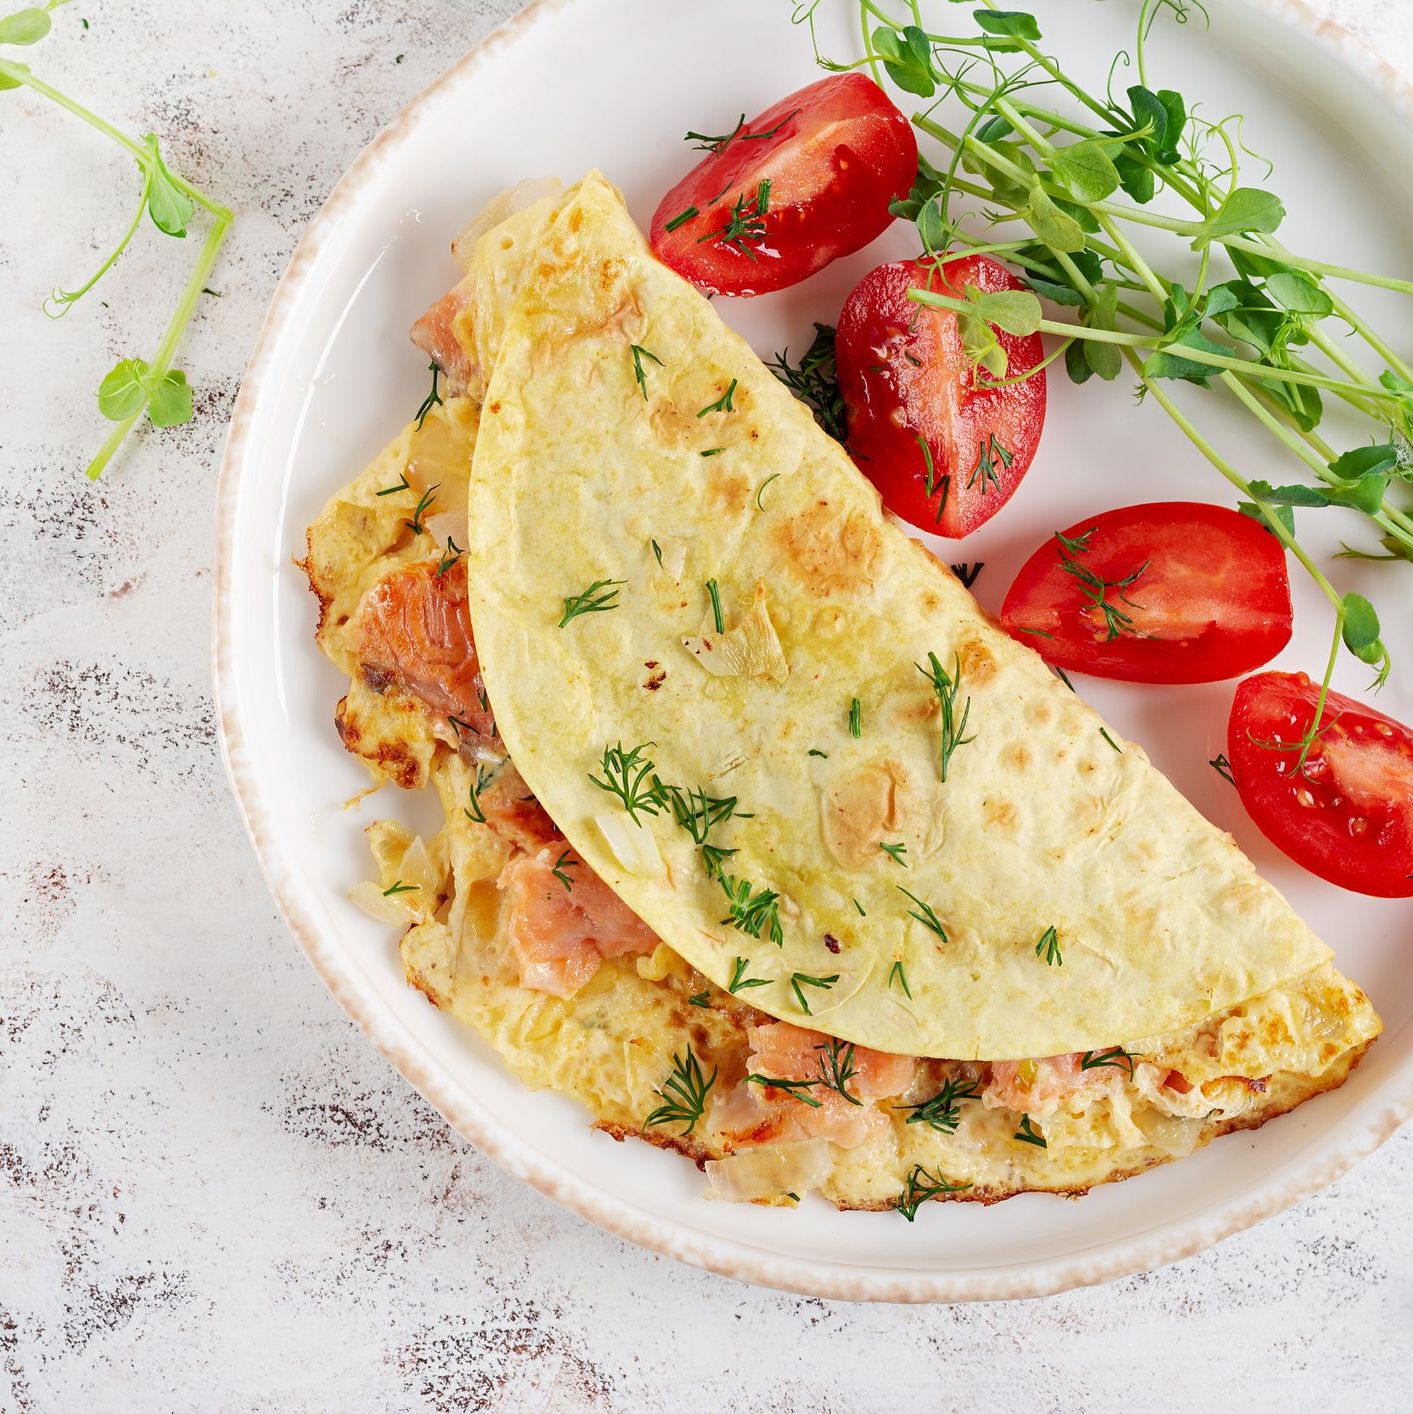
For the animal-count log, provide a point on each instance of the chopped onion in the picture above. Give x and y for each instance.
(440, 455)
(674, 557)
(750, 650)
(386, 909)
(770, 1171)
(1177, 1137)
(632, 844)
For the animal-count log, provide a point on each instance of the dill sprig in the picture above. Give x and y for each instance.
(473, 811)
(1115, 1056)
(699, 813)
(716, 145)
(751, 911)
(967, 573)
(796, 1089)
(745, 225)
(639, 372)
(681, 218)
(714, 594)
(947, 689)
(943, 1111)
(1048, 948)
(924, 913)
(632, 778)
(598, 598)
(988, 454)
(855, 717)
(398, 887)
(740, 982)
(403, 485)
(1222, 767)
(815, 381)
(684, 1093)
(432, 400)
(714, 857)
(424, 504)
(725, 403)
(561, 869)
(800, 980)
(895, 852)
(1028, 1134)
(837, 1066)
(450, 556)
(899, 972)
(1096, 589)
(921, 1186)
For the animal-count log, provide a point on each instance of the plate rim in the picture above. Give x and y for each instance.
(401, 1048)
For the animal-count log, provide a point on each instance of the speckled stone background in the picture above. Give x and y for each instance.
(213, 1194)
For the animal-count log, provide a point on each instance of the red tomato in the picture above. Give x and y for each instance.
(944, 453)
(1347, 815)
(807, 181)
(1176, 591)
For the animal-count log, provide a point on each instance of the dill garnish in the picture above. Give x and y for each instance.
(684, 1093)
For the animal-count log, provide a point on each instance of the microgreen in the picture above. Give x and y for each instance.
(134, 386)
(924, 914)
(639, 372)
(751, 911)
(921, 1186)
(801, 980)
(1048, 948)
(740, 982)
(815, 381)
(598, 598)
(684, 1093)
(947, 687)
(943, 1111)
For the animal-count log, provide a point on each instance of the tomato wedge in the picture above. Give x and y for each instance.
(1175, 591)
(944, 453)
(1347, 814)
(778, 198)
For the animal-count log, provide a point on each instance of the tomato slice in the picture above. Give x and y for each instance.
(1175, 591)
(943, 453)
(805, 182)
(1347, 814)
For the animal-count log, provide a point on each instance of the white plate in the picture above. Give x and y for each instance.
(567, 86)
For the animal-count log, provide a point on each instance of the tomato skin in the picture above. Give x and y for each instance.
(1213, 602)
(906, 380)
(1348, 816)
(840, 153)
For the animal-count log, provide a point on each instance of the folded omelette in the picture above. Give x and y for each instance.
(760, 838)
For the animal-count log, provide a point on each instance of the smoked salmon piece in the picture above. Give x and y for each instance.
(560, 934)
(415, 632)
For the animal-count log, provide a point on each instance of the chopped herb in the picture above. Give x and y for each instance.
(460, 725)
(681, 218)
(1222, 767)
(1117, 621)
(855, 718)
(713, 451)
(403, 485)
(1115, 1056)
(1063, 676)
(800, 980)
(1049, 948)
(943, 1111)
(740, 982)
(988, 454)
(450, 556)
(1111, 741)
(967, 573)
(897, 971)
(752, 911)
(815, 381)
(398, 58)
(639, 372)
(714, 595)
(702, 999)
(796, 1089)
(946, 689)
(473, 811)
(713, 856)
(704, 142)
(931, 482)
(631, 777)
(745, 226)
(922, 1186)
(926, 916)
(837, 1067)
(433, 399)
(699, 813)
(561, 869)
(895, 852)
(598, 598)
(775, 476)
(1038, 632)
(725, 403)
(657, 552)
(860, 908)
(815, 751)
(684, 1094)
(399, 888)
(1028, 1134)
(1076, 544)
(428, 496)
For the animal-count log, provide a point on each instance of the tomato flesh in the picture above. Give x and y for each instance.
(1207, 595)
(945, 454)
(1347, 814)
(835, 154)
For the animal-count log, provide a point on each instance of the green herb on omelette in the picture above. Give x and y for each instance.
(432, 400)
(639, 372)
(725, 403)
(631, 777)
(714, 595)
(895, 851)
(1028, 1134)
(924, 913)
(943, 1111)
(800, 980)
(1048, 948)
(1115, 1056)
(921, 1186)
(683, 1094)
(740, 982)
(598, 598)
(897, 973)
(952, 723)
(751, 911)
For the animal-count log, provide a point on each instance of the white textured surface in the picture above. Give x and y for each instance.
(213, 1194)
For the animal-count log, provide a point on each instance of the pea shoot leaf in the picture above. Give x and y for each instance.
(1360, 631)
(907, 59)
(131, 383)
(170, 207)
(1136, 179)
(1298, 293)
(27, 26)
(170, 404)
(994, 129)
(1363, 460)
(1085, 170)
(1054, 227)
(1284, 514)
(1007, 24)
(1165, 115)
(1246, 210)
(1366, 494)
(7, 81)
(1014, 311)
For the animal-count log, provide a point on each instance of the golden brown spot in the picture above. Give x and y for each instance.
(1038, 713)
(495, 406)
(1016, 756)
(930, 602)
(829, 551)
(858, 810)
(731, 490)
(978, 666)
(1000, 813)
(576, 218)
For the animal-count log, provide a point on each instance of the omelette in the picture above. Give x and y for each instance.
(760, 839)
